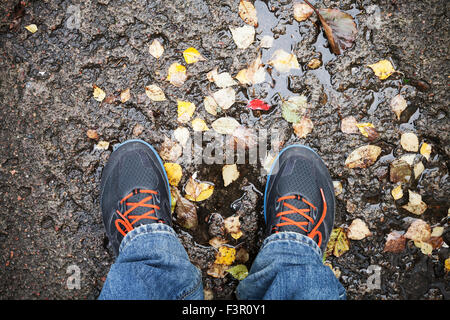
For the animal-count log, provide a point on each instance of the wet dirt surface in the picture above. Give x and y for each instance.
(50, 170)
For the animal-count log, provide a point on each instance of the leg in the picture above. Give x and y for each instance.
(135, 202)
(299, 210)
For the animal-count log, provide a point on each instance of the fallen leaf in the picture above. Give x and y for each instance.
(229, 174)
(314, 63)
(437, 232)
(225, 98)
(191, 55)
(170, 150)
(409, 142)
(211, 105)
(294, 108)
(232, 224)
(155, 93)
(418, 169)
(367, 130)
(185, 111)
(102, 145)
(399, 171)
(397, 192)
(382, 69)
(303, 127)
(186, 212)
(257, 104)
(283, 61)
(337, 185)
(182, 135)
(198, 191)
(125, 95)
(398, 105)
(92, 134)
(395, 242)
(358, 230)
(363, 157)
(212, 74)
(208, 294)
(425, 150)
(247, 12)
(217, 270)
(199, 125)
(415, 204)
(349, 125)
(98, 94)
(156, 49)
(419, 230)
(225, 125)
(177, 74)
(243, 36)
(447, 265)
(239, 272)
(174, 173)
(254, 74)
(224, 80)
(242, 255)
(245, 137)
(302, 11)
(217, 242)
(425, 247)
(32, 28)
(338, 243)
(266, 42)
(225, 255)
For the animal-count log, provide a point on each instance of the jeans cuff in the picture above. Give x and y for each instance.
(143, 230)
(295, 237)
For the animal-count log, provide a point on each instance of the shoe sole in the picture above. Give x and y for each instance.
(273, 165)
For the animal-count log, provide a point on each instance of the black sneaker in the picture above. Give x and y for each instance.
(134, 190)
(299, 195)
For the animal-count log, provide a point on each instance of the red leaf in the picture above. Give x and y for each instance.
(257, 104)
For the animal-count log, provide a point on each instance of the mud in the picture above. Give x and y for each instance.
(50, 170)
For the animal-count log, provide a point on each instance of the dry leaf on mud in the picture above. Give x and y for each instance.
(225, 255)
(170, 150)
(225, 125)
(302, 11)
(358, 230)
(338, 243)
(294, 108)
(176, 74)
(397, 192)
(186, 212)
(245, 138)
(156, 49)
(243, 36)
(185, 110)
(98, 93)
(182, 135)
(155, 93)
(197, 190)
(266, 42)
(382, 69)
(217, 270)
(211, 105)
(349, 125)
(398, 105)
(224, 80)
(418, 169)
(303, 127)
(257, 104)
(217, 242)
(314, 63)
(248, 13)
(191, 55)
(254, 74)
(229, 174)
(363, 157)
(199, 125)
(232, 224)
(102, 145)
(283, 61)
(419, 230)
(339, 27)
(415, 204)
(174, 173)
(92, 134)
(409, 142)
(225, 98)
(425, 150)
(367, 130)
(395, 242)
(125, 95)
(32, 28)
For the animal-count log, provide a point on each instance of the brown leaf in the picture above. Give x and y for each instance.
(363, 157)
(186, 212)
(247, 12)
(395, 242)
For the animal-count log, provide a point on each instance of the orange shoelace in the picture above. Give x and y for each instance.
(304, 213)
(126, 217)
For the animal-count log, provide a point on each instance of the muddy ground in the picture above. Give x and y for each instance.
(49, 169)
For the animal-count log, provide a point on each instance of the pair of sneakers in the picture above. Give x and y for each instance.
(299, 194)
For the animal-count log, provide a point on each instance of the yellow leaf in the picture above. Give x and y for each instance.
(283, 61)
(236, 235)
(338, 243)
(177, 74)
(191, 55)
(425, 150)
(185, 111)
(199, 125)
(447, 264)
(397, 192)
(174, 173)
(226, 256)
(99, 94)
(362, 128)
(382, 69)
(32, 28)
(247, 12)
(198, 191)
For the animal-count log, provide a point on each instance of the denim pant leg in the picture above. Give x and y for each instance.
(289, 267)
(152, 264)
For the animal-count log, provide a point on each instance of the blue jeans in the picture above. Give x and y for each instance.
(153, 264)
